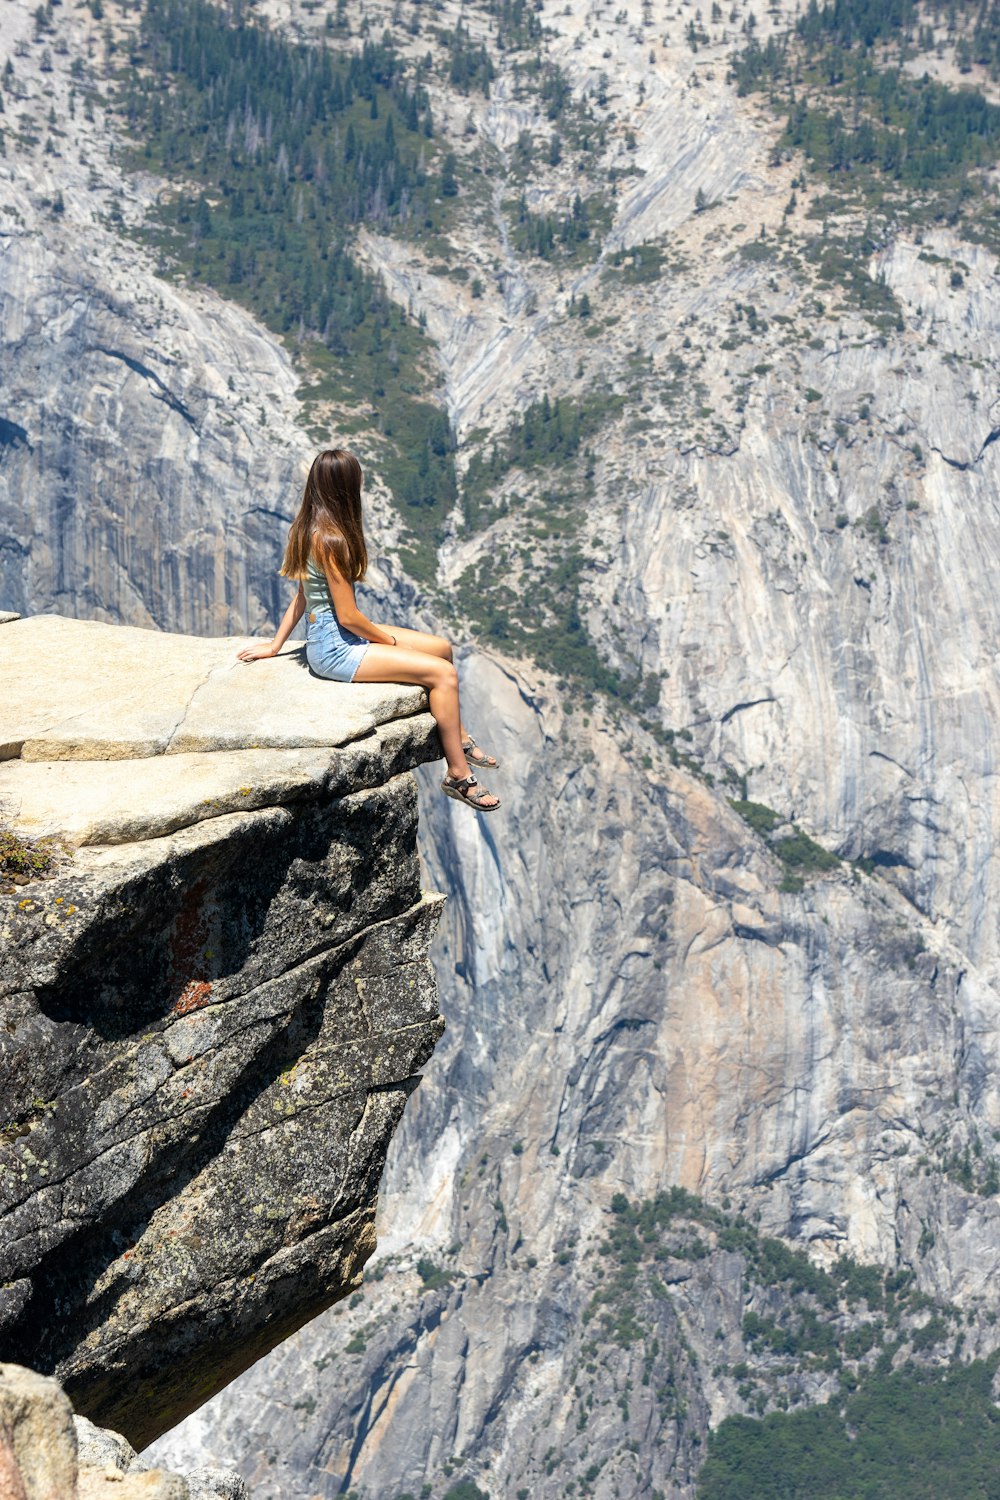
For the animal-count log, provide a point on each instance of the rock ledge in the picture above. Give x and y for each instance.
(214, 1010)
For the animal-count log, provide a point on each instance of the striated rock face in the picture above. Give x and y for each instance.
(215, 1006)
(147, 471)
(814, 1058)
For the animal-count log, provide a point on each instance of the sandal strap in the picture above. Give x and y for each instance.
(465, 787)
(477, 797)
(467, 781)
(485, 761)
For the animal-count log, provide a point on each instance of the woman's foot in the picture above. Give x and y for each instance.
(467, 789)
(477, 757)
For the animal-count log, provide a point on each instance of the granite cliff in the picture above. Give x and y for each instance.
(779, 530)
(216, 1000)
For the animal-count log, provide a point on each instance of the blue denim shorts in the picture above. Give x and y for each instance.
(332, 651)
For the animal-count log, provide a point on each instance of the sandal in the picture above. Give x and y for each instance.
(483, 761)
(462, 792)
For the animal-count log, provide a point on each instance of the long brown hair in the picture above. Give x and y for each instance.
(329, 519)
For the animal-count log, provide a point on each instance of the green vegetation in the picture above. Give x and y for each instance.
(757, 251)
(800, 855)
(865, 23)
(547, 433)
(973, 1165)
(466, 1489)
(761, 818)
(432, 1276)
(847, 1324)
(872, 524)
(469, 68)
(640, 265)
(906, 145)
(551, 236)
(799, 852)
(518, 24)
(278, 151)
(641, 1235)
(920, 1428)
(923, 1433)
(841, 262)
(24, 1123)
(22, 860)
(529, 592)
(546, 623)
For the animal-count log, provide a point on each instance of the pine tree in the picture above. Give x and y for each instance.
(449, 182)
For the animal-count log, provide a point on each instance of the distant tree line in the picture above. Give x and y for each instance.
(518, 23)
(278, 150)
(867, 23)
(469, 67)
(547, 235)
(546, 432)
(851, 109)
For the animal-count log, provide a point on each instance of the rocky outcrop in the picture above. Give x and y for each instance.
(47, 1454)
(216, 1000)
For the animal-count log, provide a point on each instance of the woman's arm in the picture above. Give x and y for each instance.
(290, 619)
(344, 602)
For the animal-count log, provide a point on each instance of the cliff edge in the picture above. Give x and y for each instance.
(215, 1002)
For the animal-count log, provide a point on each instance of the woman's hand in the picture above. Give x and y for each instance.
(290, 619)
(255, 653)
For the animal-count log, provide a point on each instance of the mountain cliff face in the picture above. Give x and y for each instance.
(216, 999)
(754, 566)
(140, 471)
(807, 1058)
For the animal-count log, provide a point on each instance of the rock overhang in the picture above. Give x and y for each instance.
(83, 690)
(111, 734)
(214, 1007)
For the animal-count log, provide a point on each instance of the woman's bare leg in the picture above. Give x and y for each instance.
(420, 640)
(438, 676)
(431, 645)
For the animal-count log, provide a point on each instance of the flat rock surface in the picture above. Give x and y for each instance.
(84, 691)
(120, 801)
(101, 802)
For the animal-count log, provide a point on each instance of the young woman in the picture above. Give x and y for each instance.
(326, 552)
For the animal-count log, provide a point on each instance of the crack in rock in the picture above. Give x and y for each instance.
(958, 463)
(739, 707)
(165, 395)
(212, 672)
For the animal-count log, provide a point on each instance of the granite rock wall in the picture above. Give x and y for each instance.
(212, 1018)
